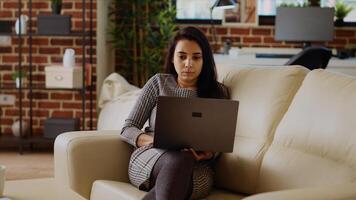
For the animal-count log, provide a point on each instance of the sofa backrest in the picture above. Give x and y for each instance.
(315, 142)
(264, 95)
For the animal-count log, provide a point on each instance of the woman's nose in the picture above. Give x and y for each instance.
(189, 63)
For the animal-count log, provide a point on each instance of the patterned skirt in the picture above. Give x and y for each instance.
(143, 160)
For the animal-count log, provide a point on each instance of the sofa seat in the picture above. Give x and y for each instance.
(113, 190)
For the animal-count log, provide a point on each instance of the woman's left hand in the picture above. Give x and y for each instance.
(201, 155)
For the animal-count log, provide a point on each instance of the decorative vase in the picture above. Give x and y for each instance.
(69, 58)
(17, 80)
(339, 22)
(16, 128)
(56, 8)
(21, 22)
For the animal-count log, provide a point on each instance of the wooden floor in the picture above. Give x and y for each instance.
(28, 165)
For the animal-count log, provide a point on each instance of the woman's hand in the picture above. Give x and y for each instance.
(201, 155)
(144, 140)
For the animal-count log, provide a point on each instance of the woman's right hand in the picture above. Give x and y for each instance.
(144, 140)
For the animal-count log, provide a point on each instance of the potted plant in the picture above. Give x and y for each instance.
(341, 11)
(16, 76)
(56, 6)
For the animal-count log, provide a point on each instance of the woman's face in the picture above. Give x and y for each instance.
(188, 61)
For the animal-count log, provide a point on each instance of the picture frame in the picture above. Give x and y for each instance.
(245, 14)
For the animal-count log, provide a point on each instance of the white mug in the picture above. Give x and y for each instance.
(69, 58)
(2, 179)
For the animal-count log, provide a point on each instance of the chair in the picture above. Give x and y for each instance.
(312, 58)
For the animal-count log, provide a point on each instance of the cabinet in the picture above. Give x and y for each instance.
(30, 53)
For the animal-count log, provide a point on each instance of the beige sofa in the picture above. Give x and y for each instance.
(295, 139)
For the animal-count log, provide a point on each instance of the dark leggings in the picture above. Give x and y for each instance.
(171, 177)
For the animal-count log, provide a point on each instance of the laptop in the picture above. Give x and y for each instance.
(199, 123)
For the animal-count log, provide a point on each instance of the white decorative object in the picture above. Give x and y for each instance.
(22, 23)
(63, 77)
(2, 180)
(16, 128)
(69, 58)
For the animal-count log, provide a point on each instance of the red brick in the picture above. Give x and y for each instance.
(10, 59)
(344, 33)
(76, 14)
(12, 112)
(251, 40)
(5, 49)
(352, 41)
(7, 121)
(73, 105)
(62, 42)
(61, 96)
(5, 67)
(270, 40)
(10, 5)
(48, 105)
(36, 5)
(39, 59)
(338, 42)
(240, 31)
(40, 95)
(41, 113)
(66, 114)
(221, 31)
(260, 31)
(67, 5)
(5, 14)
(87, 5)
(40, 41)
(79, 24)
(49, 50)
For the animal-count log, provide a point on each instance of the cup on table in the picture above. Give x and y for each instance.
(2, 179)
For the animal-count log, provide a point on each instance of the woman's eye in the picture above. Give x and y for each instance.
(196, 57)
(182, 57)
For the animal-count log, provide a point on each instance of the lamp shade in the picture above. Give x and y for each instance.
(225, 4)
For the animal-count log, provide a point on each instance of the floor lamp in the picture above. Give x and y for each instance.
(223, 4)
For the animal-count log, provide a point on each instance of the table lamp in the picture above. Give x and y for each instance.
(224, 4)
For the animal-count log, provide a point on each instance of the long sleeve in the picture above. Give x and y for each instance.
(141, 111)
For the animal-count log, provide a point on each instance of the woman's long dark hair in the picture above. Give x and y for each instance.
(208, 87)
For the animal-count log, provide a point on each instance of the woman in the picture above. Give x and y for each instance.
(173, 174)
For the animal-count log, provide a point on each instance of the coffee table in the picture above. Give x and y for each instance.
(35, 189)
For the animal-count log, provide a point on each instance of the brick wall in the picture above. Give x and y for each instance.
(45, 50)
(263, 36)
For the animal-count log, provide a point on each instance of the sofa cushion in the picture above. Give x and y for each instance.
(315, 143)
(112, 116)
(264, 94)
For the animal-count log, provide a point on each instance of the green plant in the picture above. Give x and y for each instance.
(56, 1)
(17, 74)
(141, 30)
(342, 10)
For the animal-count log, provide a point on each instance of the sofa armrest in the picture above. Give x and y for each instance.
(82, 157)
(331, 192)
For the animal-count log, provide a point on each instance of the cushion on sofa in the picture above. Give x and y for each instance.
(112, 116)
(315, 143)
(113, 86)
(264, 95)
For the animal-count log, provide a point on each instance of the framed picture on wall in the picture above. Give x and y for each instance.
(244, 13)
